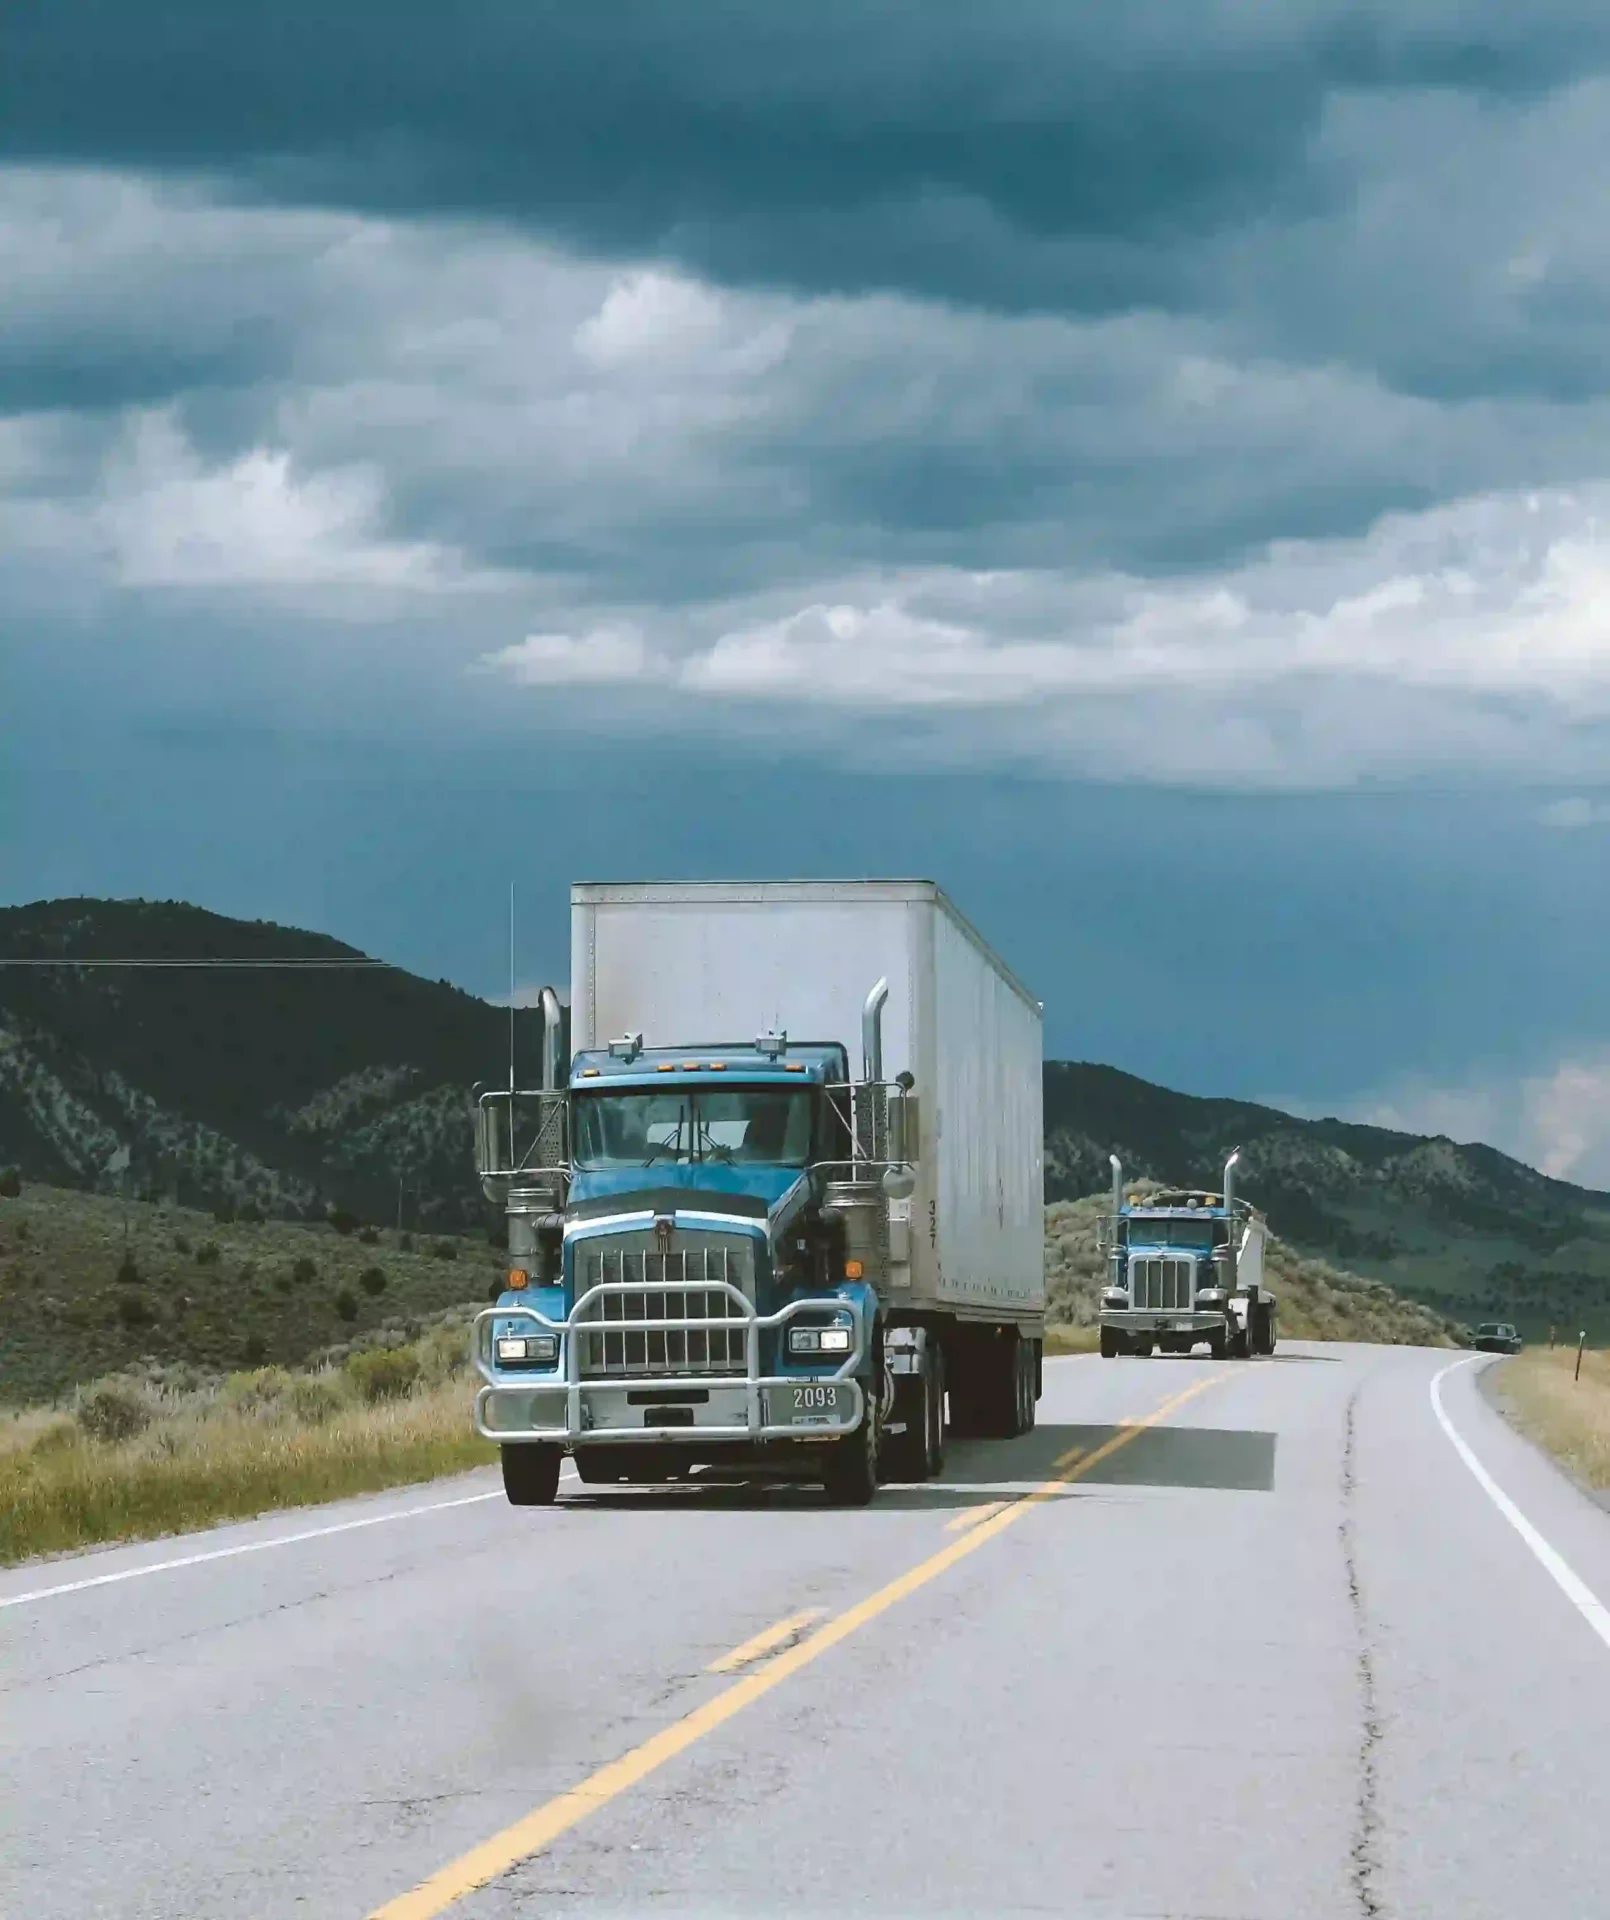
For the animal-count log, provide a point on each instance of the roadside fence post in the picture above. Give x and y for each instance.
(1581, 1342)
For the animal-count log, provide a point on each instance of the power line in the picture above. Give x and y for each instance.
(309, 965)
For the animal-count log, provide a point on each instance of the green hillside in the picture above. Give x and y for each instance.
(276, 1089)
(77, 1300)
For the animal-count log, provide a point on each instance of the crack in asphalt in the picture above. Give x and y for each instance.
(1364, 1856)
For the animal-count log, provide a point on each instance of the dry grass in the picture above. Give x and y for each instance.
(1568, 1418)
(1072, 1340)
(136, 1459)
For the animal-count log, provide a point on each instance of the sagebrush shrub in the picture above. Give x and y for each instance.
(373, 1280)
(383, 1373)
(346, 1304)
(113, 1411)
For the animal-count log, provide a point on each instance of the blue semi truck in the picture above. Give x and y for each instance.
(1185, 1269)
(775, 1208)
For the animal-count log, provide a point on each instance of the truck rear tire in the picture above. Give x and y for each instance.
(851, 1477)
(1025, 1392)
(935, 1439)
(1265, 1340)
(905, 1455)
(531, 1473)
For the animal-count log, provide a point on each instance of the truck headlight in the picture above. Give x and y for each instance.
(1211, 1297)
(1115, 1299)
(819, 1339)
(542, 1348)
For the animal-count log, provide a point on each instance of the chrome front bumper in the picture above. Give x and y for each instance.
(1165, 1320)
(566, 1407)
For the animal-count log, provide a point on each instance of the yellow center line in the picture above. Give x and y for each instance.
(764, 1641)
(973, 1516)
(541, 1827)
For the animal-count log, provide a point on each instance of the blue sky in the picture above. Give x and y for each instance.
(1143, 468)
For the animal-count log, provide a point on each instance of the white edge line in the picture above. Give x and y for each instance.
(245, 1546)
(1575, 1589)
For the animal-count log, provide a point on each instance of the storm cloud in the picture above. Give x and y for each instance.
(1105, 404)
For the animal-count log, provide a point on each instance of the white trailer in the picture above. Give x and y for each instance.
(686, 963)
(915, 1214)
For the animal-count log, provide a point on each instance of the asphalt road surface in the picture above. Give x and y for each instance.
(1216, 1641)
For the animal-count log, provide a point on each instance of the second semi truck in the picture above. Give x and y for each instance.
(1184, 1268)
(778, 1199)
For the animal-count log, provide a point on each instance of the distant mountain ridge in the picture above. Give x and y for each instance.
(283, 1090)
(292, 1091)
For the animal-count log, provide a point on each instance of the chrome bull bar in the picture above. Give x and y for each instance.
(563, 1405)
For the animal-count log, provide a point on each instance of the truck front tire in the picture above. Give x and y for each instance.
(851, 1478)
(531, 1473)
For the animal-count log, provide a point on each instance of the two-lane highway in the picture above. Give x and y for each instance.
(1215, 1640)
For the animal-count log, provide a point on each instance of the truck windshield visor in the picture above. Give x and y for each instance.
(684, 1126)
(1195, 1234)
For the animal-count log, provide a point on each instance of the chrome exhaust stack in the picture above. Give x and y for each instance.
(872, 1032)
(1229, 1212)
(1229, 1181)
(552, 1039)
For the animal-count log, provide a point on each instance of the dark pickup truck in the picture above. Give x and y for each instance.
(1497, 1336)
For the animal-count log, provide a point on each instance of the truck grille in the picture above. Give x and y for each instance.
(670, 1285)
(1163, 1285)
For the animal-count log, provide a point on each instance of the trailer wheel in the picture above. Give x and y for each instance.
(1003, 1386)
(531, 1474)
(1025, 1386)
(851, 1477)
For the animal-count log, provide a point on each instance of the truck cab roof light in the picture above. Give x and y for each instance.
(793, 1066)
(718, 1066)
(589, 1073)
(666, 1066)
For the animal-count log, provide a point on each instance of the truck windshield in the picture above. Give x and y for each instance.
(1196, 1234)
(677, 1126)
